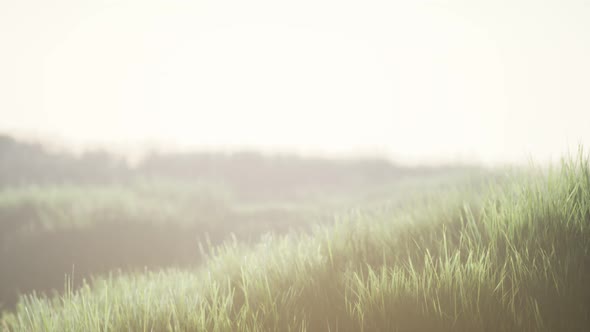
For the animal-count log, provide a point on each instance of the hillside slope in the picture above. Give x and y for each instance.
(515, 258)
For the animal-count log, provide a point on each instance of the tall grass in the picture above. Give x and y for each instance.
(515, 258)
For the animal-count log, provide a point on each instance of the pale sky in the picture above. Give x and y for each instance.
(416, 81)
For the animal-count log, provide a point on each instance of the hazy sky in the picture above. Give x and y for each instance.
(492, 81)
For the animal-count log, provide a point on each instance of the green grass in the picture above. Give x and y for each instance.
(514, 257)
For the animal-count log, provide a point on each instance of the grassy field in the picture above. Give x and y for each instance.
(514, 256)
(149, 223)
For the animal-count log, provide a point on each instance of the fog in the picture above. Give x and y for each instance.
(414, 81)
(311, 165)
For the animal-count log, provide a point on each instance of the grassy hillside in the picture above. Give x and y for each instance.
(513, 258)
(48, 230)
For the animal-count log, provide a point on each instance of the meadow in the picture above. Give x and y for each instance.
(506, 252)
(48, 231)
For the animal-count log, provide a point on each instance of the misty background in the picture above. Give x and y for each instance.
(415, 82)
